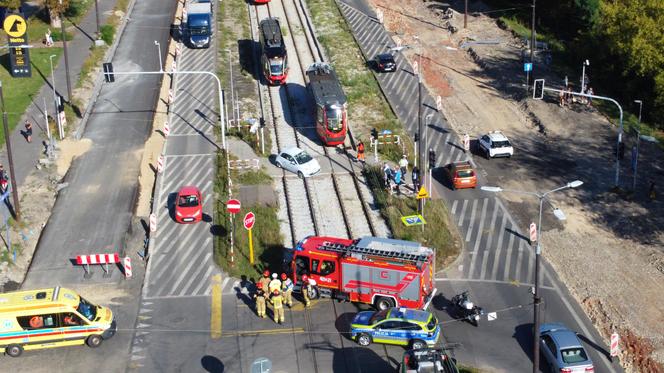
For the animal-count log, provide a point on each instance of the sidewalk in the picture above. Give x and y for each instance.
(26, 155)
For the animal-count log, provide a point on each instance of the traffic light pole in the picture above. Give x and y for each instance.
(538, 94)
(17, 207)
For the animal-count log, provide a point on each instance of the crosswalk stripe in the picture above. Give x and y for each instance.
(519, 261)
(478, 238)
(472, 220)
(454, 206)
(203, 264)
(499, 247)
(192, 261)
(490, 239)
(203, 280)
(506, 271)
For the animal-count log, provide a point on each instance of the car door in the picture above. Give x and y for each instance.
(549, 349)
(413, 331)
(386, 332)
(289, 164)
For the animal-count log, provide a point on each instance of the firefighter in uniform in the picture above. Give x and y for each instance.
(265, 280)
(360, 152)
(259, 296)
(275, 284)
(307, 285)
(278, 305)
(287, 289)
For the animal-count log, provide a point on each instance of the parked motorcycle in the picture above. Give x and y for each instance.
(468, 310)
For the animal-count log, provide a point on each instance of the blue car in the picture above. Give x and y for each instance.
(399, 326)
(563, 350)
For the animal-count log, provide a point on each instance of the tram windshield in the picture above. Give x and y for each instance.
(276, 67)
(334, 119)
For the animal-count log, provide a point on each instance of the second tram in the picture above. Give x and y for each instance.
(331, 104)
(274, 58)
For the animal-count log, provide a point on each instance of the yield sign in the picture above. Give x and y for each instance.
(249, 220)
(233, 206)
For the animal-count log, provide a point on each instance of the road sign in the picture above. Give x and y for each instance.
(249, 220)
(491, 316)
(411, 220)
(153, 223)
(15, 26)
(233, 206)
(466, 142)
(615, 344)
(527, 67)
(422, 193)
(533, 232)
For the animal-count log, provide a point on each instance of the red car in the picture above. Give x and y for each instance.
(188, 205)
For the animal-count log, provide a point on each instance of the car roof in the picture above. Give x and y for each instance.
(564, 337)
(188, 190)
(385, 56)
(292, 151)
(497, 136)
(462, 165)
(409, 314)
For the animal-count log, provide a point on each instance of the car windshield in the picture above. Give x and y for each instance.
(199, 30)
(188, 201)
(574, 355)
(334, 116)
(303, 158)
(378, 316)
(87, 309)
(431, 325)
(500, 144)
(465, 173)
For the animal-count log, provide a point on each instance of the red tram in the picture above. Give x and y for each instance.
(331, 105)
(274, 58)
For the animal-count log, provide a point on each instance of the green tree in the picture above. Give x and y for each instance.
(55, 8)
(11, 4)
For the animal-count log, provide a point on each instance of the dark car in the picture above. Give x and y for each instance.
(384, 62)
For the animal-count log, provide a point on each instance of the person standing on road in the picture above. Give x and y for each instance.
(360, 152)
(278, 305)
(259, 297)
(265, 280)
(287, 289)
(403, 165)
(28, 131)
(275, 284)
(307, 287)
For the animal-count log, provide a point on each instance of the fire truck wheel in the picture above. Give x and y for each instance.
(314, 293)
(383, 303)
(363, 339)
(417, 344)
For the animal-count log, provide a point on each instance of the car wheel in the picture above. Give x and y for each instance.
(279, 165)
(14, 350)
(418, 344)
(383, 303)
(300, 175)
(93, 341)
(364, 339)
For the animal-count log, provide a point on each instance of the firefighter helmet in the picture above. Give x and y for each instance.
(305, 278)
(275, 292)
(259, 285)
(266, 273)
(283, 276)
(274, 276)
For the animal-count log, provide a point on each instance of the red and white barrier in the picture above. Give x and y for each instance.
(127, 267)
(174, 66)
(102, 259)
(178, 50)
(153, 223)
(160, 163)
(615, 344)
(167, 129)
(171, 98)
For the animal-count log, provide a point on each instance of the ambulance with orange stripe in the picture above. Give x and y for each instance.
(54, 317)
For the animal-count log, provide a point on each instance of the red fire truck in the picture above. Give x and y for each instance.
(379, 271)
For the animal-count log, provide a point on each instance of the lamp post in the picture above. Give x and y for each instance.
(97, 16)
(161, 65)
(536, 298)
(640, 107)
(64, 46)
(230, 67)
(635, 154)
(55, 97)
(583, 76)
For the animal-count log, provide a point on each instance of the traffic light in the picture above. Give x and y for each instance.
(538, 89)
(108, 72)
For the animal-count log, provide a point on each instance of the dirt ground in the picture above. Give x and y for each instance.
(609, 253)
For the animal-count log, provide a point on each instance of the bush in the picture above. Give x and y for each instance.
(107, 33)
(57, 36)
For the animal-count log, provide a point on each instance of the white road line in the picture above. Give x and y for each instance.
(499, 247)
(463, 212)
(202, 266)
(519, 261)
(478, 238)
(192, 261)
(489, 240)
(446, 279)
(506, 271)
(172, 257)
(204, 280)
(180, 296)
(454, 206)
(472, 221)
(190, 155)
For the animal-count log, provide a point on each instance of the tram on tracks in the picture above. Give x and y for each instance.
(331, 104)
(274, 58)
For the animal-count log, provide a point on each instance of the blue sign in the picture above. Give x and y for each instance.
(528, 66)
(413, 220)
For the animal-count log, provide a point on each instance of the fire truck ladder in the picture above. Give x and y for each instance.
(388, 254)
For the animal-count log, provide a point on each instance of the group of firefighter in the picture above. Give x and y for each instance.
(279, 292)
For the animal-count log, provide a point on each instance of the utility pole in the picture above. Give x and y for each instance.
(465, 15)
(97, 15)
(64, 46)
(532, 47)
(17, 208)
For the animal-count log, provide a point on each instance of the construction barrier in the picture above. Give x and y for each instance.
(174, 66)
(384, 139)
(102, 259)
(153, 223)
(127, 267)
(178, 50)
(171, 98)
(167, 129)
(160, 163)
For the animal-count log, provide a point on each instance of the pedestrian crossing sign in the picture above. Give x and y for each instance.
(411, 220)
(422, 193)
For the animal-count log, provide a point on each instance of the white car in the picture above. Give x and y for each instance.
(298, 161)
(495, 144)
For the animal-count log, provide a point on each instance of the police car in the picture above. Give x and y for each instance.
(399, 326)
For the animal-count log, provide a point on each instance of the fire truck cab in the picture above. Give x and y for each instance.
(380, 271)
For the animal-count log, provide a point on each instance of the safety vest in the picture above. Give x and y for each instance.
(277, 301)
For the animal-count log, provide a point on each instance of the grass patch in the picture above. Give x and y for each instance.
(18, 92)
(107, 33)
(266, 232)
(436, 233)
(93, 61)
(251, 177)
(467, 369)
(252, 139)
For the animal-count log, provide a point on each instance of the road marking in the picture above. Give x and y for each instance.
(478, 239)
(446, 279)
(192, 261)
(191, 155)
(463, 212)
(472, 221)
(490, 239)
(200, 284)
(247, 333)
(519, 260)
(506, 271)
(499, 248)
(201, 266)
(454, 206)
(215, 314)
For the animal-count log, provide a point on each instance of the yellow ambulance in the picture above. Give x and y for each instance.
(53, 317)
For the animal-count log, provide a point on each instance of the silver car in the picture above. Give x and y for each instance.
(563, 350)
(298, 161)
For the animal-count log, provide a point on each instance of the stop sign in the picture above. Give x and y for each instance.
(249, 220)
(233, 206)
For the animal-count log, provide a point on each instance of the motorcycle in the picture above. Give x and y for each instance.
(468, 310)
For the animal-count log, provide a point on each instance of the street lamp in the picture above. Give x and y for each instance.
(560, 216)
(64, 46)
(640, 107)
(161, 66)
(230, 67)
(583, 76)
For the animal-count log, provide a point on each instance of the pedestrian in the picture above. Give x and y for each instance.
(432, 158)
(570, 97)
(561, 96)
(278, 306)
(287, 289)
(48, 38)
(307, 287)
(28, 131)
(415, 175)
(397, 179)
(403, 165)
(590, 99)
(651, 190)
(275, 284)
(387, 175)
(259, 297)
(265, 280)
(360, 152)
